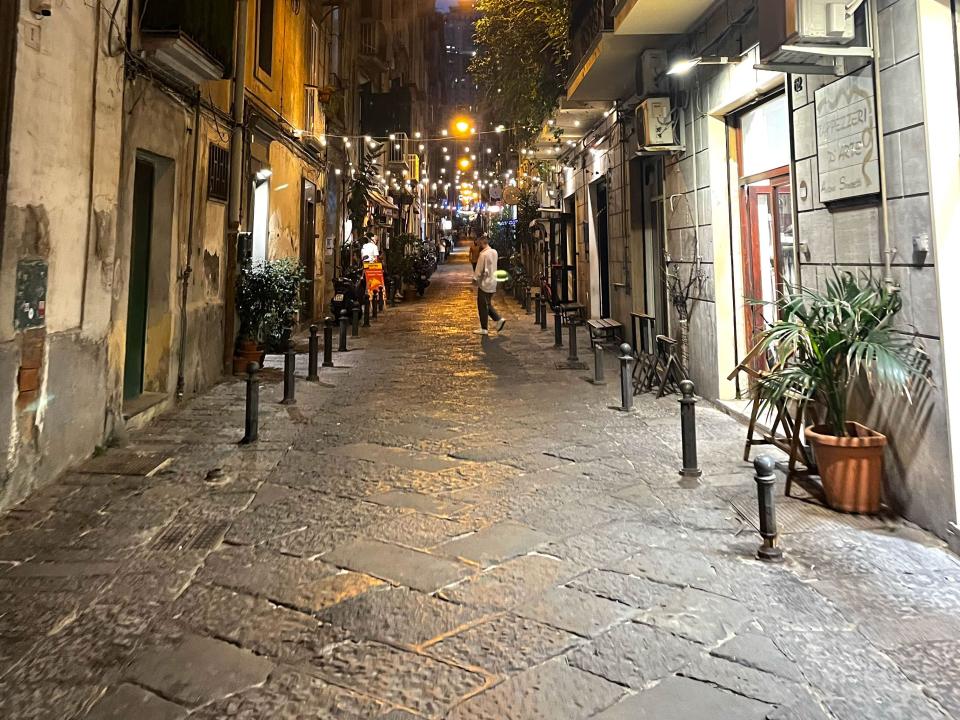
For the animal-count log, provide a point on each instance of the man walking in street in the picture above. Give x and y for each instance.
(485, 275)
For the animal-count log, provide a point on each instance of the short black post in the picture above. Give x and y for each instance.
(328, 323)
(537, 305)
(526, 300)
(626, 384)
(688, 430)
(344, 325)
(770, 550)
(251, 420)
(557, 327)
(375, 305)
(312, 370)
(572, 354)
(543, 313)
(366, 311)
(289, 377)
(598, 378)
(355, 332)
(380, 296)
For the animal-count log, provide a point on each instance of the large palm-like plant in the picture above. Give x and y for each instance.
(824, 341)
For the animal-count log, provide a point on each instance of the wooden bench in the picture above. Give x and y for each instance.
(604, 329)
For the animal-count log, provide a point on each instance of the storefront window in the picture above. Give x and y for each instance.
(765, 137)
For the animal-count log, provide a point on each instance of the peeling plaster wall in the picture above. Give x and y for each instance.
(160, 129)
(61, 209)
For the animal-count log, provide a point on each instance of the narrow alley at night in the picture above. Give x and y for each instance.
(479, 360)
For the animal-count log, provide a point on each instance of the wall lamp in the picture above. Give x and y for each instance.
(682, 67)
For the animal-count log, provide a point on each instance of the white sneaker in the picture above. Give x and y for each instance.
(480, 332)
(500, 325)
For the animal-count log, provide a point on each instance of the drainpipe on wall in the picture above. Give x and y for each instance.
(888, 251)
(188, 267)
(92, 164)
(235, 199)
(236, 142)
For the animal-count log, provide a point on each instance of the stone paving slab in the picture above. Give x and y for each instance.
(688, 699)
(494, 544)
(199, 670)
(129, 701)
(398, 565)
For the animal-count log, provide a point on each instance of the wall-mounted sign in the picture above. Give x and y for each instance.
(847, 151)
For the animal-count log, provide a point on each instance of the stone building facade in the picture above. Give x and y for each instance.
(737, 205)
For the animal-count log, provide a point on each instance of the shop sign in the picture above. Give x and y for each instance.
(847, 151)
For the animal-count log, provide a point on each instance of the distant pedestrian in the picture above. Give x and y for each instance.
(370, 252)
(475, 253)
(485, 275)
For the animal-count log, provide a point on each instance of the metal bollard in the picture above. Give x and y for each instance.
(328, 323)
(526, 300)
(355, 332)
(626, 383)
(251, 421)
(344, 324)
(688, 430)
(543, 313)
(366, 311)
(375, 306)
(573, 355)
(770, 550)
(536, 310)
(312, 371)
(598, 378)
(557, 328)
(380, 301)
(289, 377)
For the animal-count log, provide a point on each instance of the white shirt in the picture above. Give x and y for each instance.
(370, 252)
(486, 273)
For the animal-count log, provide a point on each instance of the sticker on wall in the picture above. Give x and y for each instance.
(30, 307)
(847, 153)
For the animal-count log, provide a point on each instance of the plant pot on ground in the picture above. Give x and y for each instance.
(268, 300)
(821, 346)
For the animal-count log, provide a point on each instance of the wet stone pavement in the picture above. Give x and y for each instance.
(452, 527)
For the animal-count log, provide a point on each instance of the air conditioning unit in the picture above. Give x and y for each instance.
(654, 124)
(652, 73)
(805, 24)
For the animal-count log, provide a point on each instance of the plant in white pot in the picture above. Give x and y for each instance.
(822, 345)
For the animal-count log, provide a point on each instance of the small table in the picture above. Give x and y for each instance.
(604, 329)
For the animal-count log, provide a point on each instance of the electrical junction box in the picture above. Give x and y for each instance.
(654, 121)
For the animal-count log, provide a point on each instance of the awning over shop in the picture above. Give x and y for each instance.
(384, 204)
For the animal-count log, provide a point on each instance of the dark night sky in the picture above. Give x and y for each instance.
(444, 5)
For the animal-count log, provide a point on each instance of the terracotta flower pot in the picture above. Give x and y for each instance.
(851, 468)
(247, 352)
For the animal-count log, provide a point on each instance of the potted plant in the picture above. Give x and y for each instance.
(268, 300)
(821, 346)
(251, 309)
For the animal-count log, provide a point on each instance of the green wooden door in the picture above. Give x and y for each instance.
(143, 184)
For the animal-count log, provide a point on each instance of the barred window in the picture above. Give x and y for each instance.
(218, 174)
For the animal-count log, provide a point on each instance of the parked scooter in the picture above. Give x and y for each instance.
(350, 291)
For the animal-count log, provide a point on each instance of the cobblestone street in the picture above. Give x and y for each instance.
(449, 526)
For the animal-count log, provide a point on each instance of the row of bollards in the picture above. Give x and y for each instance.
(764, 466)
(373, 305)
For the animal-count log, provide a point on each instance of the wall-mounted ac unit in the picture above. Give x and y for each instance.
(654, 124)
(804, 24)
(652, 73)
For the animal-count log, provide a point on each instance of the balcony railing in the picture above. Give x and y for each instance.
(588, 18)
(373, 40)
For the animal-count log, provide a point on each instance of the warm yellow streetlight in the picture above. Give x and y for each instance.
(464, 163)
(462, 125)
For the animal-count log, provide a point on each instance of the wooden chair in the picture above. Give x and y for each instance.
(788, 418)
